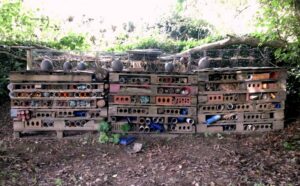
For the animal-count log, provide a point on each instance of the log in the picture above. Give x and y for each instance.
(231, 40)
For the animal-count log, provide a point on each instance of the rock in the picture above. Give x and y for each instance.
(169, 67)
(137, 147)
(67, 66)
(203, 63)
(46, 65)
(117, 65)
(100, 103)
(184, 60)
(81, 65)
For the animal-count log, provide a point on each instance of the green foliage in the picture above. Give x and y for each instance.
(22, 26)
(15, 23)
(184, 28)
(115, 138)
(166, 45)
(259, 184)
(103, 138)
(126, 127)
(72, 41)
(280, 20)
(58, 182)
(8, 64)
(289, 146)
(104, 127)
(105, 135)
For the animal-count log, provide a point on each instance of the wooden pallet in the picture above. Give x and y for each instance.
(243, 127)
(56, 104)
(60, 113)
(182, 128)
(147, 119)
(152, 100)
(223, 75)
(158, 90)
(242, 87)
(238, 117)
(125, 110)
(257, 97)
(240, 107)
(57, 86)
(147, 78)
(40, 76)
(58, 126)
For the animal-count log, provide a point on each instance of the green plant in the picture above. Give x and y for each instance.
(8, 64)
(103, 138)
(105, 134)
(115, 138)
(125, 128)
(280, 20)
(104, 127)
(289, 145)
(22, 26)
(183, 28)
(72, 41)
(166, 45)
(259, 184)
(58, 182)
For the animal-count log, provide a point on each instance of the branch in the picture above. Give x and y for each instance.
(12, 55)
(231, 40)
(239, 12)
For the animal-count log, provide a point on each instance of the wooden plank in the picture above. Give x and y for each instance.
(58, 125)
(249, 127)
(49, 77)
(225, 108)
(29, 59)
(233, 117)
(158, 90)
(143, 78)
(153, 100)
(260, 97)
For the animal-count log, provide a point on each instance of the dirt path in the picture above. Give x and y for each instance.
(270, 158)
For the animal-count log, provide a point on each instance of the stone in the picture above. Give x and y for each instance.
(46, 65)
(203, 63)
(67, 66)
(81, 66)
(117, 65)
(169, 67)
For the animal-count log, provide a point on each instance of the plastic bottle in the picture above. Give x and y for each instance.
(156, 127)
(213, 119)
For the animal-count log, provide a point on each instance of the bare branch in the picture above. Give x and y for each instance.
(12, 55)
(231, 40)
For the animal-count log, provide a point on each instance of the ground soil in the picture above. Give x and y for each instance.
(271, 158)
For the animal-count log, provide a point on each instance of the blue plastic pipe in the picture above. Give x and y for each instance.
(213, 119)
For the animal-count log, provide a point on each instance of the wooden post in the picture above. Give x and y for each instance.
(29, 59)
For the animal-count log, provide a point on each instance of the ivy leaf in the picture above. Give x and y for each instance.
(104, 126)
(103, 138)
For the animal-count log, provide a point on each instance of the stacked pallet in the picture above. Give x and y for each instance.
(56, 101)
(153, 102)
(241, 99)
